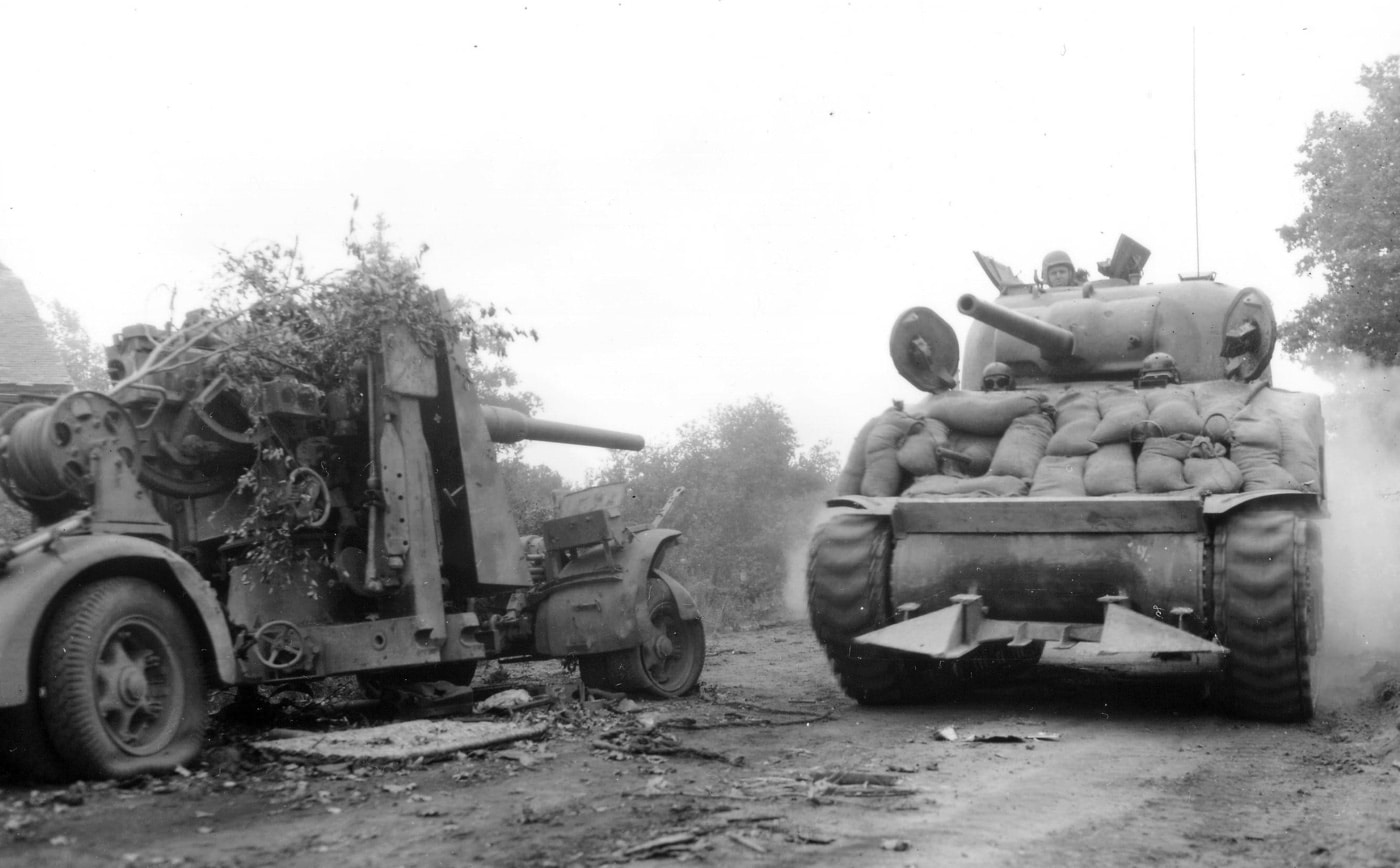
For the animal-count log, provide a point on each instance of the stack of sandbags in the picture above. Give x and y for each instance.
(977, 427)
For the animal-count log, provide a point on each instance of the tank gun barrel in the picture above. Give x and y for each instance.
(1054, 342)
(511, 426)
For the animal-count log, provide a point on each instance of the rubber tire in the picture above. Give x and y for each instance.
(1267, 581)
(121, 614)
(633, 670)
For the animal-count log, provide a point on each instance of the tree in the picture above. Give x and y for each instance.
(85, 361)
(1351, 228)
(750, 495)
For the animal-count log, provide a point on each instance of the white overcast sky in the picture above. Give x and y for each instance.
(692, 202)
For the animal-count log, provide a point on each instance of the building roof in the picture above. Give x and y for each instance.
(28, 358)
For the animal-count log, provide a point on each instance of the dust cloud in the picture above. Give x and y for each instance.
(1361, 538)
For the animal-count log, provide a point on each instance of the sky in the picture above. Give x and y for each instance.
(692, 203)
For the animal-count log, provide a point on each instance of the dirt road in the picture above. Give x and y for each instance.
(745, 773)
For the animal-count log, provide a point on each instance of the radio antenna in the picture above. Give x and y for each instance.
(1195, 162)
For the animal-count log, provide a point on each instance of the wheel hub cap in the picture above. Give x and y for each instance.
(132, 686)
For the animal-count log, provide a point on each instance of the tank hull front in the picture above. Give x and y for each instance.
(1051, 559)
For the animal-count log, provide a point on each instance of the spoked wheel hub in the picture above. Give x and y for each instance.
(133, 687)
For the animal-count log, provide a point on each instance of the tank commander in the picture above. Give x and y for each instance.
(997, 377)
(1158, 370)
(1058, 269)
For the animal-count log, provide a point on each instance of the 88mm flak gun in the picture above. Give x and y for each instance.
(198, 531)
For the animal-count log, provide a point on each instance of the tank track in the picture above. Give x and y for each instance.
(1267, 577)
(848, 570)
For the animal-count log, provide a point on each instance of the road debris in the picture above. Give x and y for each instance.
(408, 739)
(641, 741)
(948, 733)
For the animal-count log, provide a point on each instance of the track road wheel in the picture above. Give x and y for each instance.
(666, 667)
(123, 686)
(1267, 580)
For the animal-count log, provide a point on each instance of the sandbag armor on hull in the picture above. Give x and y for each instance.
(1143, 488)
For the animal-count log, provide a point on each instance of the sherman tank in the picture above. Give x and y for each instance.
(1125, 484)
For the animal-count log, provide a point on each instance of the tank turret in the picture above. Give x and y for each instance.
(1101, 330)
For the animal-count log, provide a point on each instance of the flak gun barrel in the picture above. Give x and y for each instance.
(1054, 342)
(510, 426)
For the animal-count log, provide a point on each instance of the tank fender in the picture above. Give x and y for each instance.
(32, 584)
(872, 505)
(599, 605)
(1217, 505)
(685, 603)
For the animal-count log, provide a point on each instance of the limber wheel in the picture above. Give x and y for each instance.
(1266, 583)
(667, 666)
(122, 681)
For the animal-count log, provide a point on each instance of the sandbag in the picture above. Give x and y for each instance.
(1218, 402)
(1256, 449)
(883, 477)
(1120, 409)
(979, 449)
(1298, 455)
(1059, 476)
(1110, 470)
(1217, 475)
(981, 486)
(918, 455)
(1076, 418)
(987, 413)
(1172, 410)
(1022, 447)
(1299, 417)
(1161, 465)
(854, 471)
